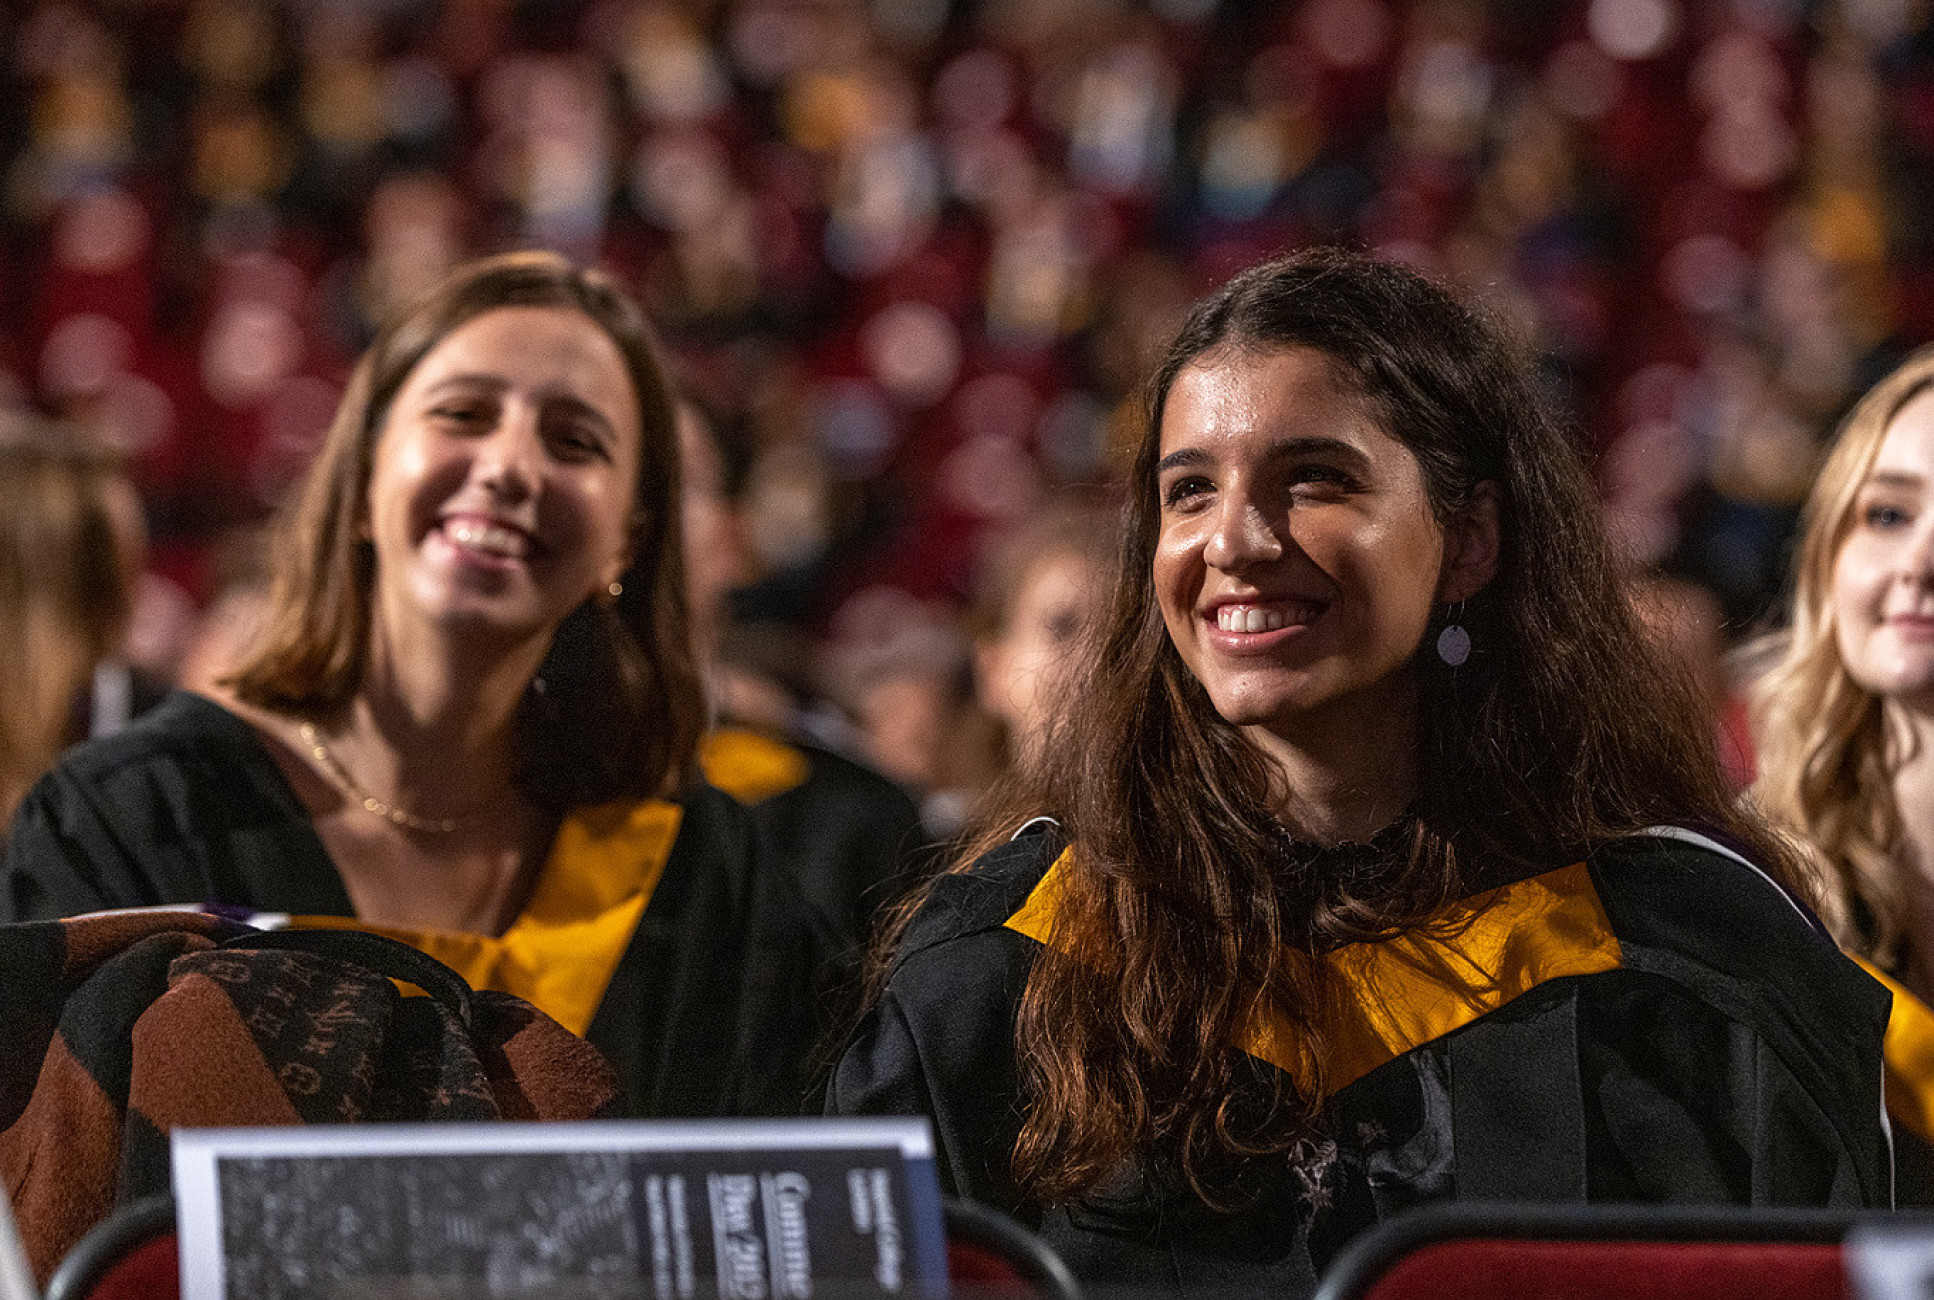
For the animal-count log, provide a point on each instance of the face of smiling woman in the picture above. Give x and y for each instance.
(1883, 578)
(1298, 560)
(503, 478)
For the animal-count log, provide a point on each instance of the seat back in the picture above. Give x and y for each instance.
(1589, 1252)
(1604, 1270)
(990, 1254)
(129, 1255)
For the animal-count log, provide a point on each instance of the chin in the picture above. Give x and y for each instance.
(1260, 696)
(1253, 712)
(1899, 680)
(465, 616)
(1915, 695)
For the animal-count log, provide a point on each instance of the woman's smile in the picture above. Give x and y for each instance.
(1247, 618)
(488, 543)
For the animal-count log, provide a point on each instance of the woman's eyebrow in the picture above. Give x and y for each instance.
(1316, 445)
(463, 381)
(578, 406)
(1894, 478)
(1184, 458)
(1282, 449)
(495, 383)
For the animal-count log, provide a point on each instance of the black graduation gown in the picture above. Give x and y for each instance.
(712, 1007)
(850, 835)
(1708, 1045)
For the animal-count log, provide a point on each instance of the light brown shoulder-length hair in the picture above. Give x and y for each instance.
(70, 543)
(1817, 734)
(617, 708)
(1185, 911)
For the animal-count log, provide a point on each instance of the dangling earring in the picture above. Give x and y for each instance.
(1454, 643)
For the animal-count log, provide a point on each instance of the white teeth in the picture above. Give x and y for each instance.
(1252, 618)
(478, 535)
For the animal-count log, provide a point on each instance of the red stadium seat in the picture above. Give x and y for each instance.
(990, 1256)
(1543, 1252)
(131, 1255)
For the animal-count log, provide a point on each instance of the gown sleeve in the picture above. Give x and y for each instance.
(936, 1045)
(939, 1041)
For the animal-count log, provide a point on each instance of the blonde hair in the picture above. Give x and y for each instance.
(69, 552)
(1823, 771)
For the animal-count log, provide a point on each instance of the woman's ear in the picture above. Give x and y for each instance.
(1471, 547)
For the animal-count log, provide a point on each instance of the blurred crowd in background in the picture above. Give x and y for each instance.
(912, 258)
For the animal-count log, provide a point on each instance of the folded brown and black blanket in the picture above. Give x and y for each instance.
(117, 1027)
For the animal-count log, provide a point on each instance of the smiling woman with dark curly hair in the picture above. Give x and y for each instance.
(1376, 858)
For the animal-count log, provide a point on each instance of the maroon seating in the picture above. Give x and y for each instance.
(1522, 1252)
(131, 1255)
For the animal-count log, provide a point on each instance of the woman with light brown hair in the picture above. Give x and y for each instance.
(471, 716)
(1378, 856)
(1041, 584)
(71, 542)
(1843, 715)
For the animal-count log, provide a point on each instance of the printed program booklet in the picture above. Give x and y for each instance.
(670, 1210)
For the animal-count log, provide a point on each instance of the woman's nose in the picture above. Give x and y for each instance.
(1916, 561)
(1244, 535)
(507, 459)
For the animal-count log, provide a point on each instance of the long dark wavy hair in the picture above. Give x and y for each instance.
(621, 708)
(1183, 905)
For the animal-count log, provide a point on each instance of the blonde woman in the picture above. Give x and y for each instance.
(1843, 719)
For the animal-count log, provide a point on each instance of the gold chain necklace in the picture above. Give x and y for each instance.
(388, 811)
